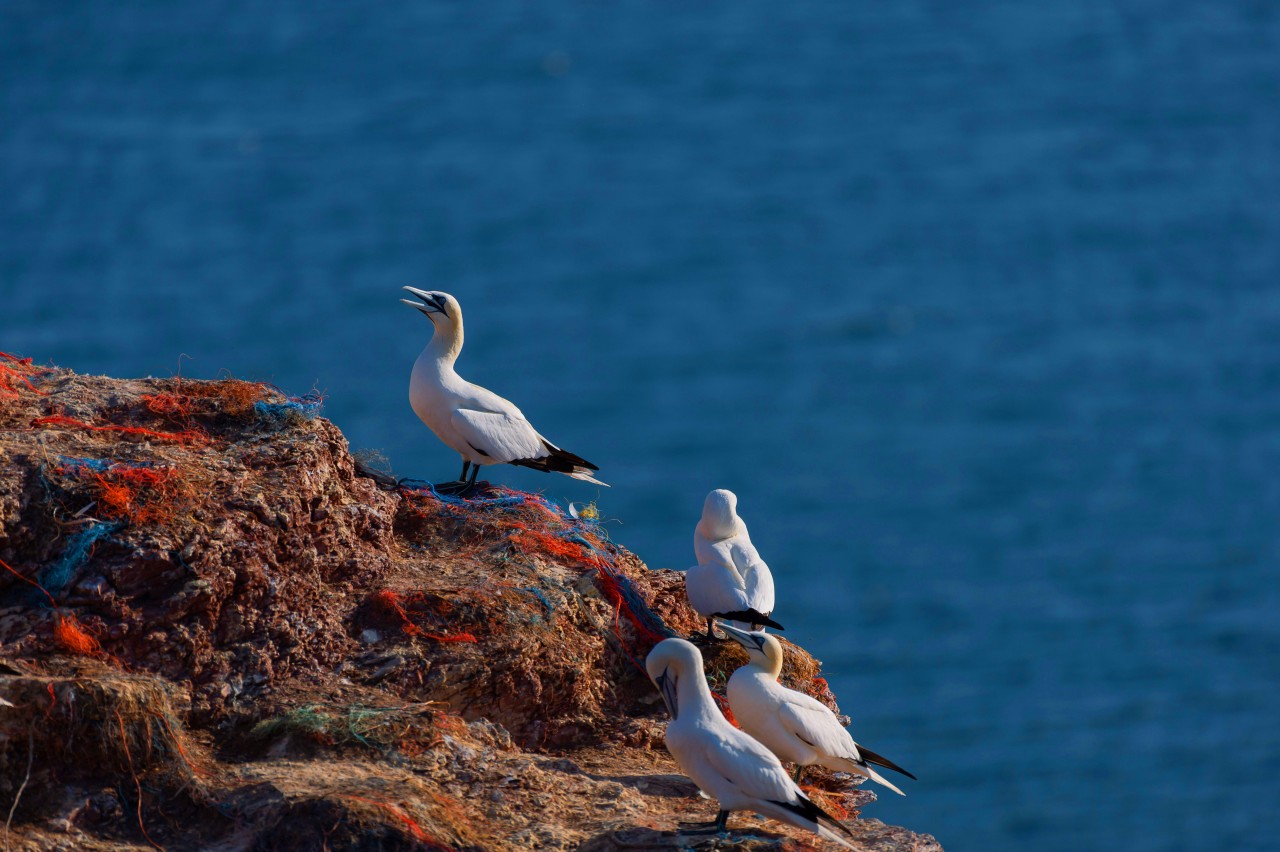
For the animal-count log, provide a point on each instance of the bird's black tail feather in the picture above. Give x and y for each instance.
(871, 757)
(564, 457)
(805, 808)
(750, 616)
(561, 461)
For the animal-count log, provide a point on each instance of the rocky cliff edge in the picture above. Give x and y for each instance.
(219, 630)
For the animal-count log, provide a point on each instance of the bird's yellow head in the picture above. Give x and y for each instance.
(435, 304)
(763, 648)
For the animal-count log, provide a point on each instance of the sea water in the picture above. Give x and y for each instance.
(974, 305)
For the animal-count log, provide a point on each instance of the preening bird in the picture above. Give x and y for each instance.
(481, 426)
(730, 581)
(726, 764)
(797, 728)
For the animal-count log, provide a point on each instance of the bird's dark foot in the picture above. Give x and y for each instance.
(452, 489)
(471, 489)
(700, 828)
(717, 826)
(710, 637)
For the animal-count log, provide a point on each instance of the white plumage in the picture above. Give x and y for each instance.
(726, 764)
(797, 728)
(730, 581)
(481, 426)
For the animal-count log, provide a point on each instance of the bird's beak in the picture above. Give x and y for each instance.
(432, 303)
(667, 686)
(750, 641)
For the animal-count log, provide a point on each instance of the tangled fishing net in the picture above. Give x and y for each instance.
(528, 526)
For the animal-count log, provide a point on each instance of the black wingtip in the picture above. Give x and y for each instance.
(564, 456)
(805, 808)
(871, 757)
(557, 461)
(750, 616)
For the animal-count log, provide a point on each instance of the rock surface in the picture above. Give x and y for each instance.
(218, 630)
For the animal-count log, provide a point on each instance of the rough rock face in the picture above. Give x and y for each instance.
(220, 631)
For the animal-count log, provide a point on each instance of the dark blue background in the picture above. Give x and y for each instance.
(973, 304)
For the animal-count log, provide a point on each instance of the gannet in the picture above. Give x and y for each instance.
(730, 581)
(726, 764)
(797, 728)
(483, 427)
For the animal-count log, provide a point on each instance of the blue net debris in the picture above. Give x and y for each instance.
(422, 486)
(535, 525)
(56, 577)
(295, 409)
(541, 596)
(69, 464)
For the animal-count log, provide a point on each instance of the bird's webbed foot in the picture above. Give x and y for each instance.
(470, 489)
(700, 828)
(717, 826)
(708, 638)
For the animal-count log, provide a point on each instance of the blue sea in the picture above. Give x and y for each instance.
(974, 305)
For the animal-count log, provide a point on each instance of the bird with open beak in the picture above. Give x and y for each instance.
(475, 422)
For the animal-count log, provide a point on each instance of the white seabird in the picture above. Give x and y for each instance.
(730, 581)
(481, 426)
(796, 727)
(726, 764)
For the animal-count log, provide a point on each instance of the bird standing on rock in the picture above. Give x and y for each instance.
(726, 764)
(481, 426)
(730, 581)
(796, 727)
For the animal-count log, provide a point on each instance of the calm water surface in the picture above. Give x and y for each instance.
(974, 305)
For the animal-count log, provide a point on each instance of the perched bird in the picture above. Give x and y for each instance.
(482, 426)
(797, 728)
(730, 581)
(726, 764)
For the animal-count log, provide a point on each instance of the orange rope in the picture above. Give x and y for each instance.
(391, 600)
(177, 742)
(30, 582)
(124, 741)
(416, 830)
(66, 630)
(9, 374)
(187, 436)
(71, 636)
